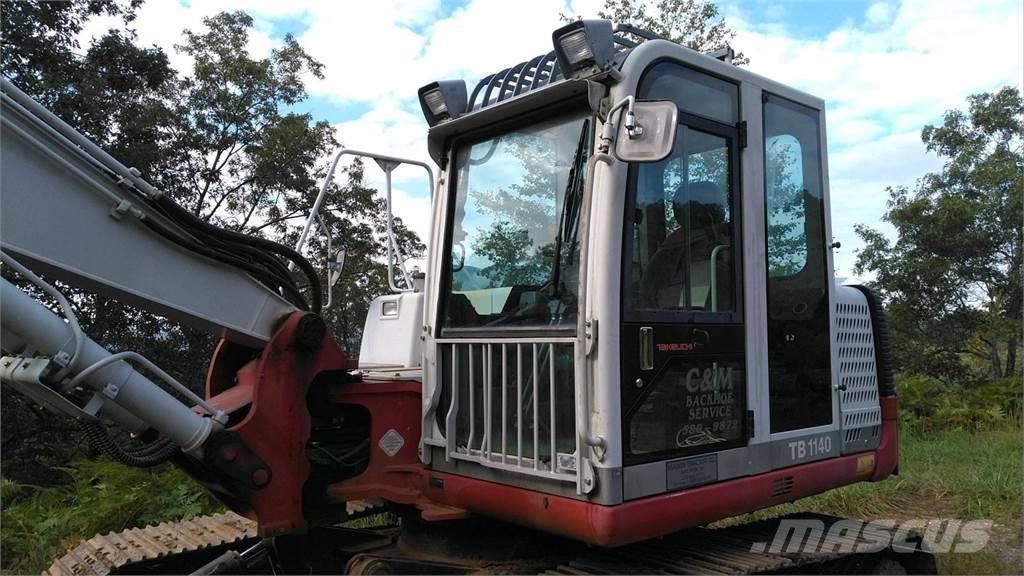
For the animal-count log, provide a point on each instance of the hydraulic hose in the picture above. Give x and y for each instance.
(146, 456)
(188, 219)
(259, 273)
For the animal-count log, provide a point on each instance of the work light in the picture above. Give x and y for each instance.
(584, 48)
(444, 100)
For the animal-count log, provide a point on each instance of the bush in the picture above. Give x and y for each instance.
(40, 524)
(927, 405)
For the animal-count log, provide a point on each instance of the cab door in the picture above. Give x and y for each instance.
(683, 381)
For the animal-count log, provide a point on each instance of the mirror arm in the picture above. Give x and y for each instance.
(608, 130)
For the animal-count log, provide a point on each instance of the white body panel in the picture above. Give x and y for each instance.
(391, 335)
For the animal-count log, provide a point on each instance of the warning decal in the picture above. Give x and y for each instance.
(391, 442)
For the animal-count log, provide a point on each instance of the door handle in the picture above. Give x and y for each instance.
(647, 348)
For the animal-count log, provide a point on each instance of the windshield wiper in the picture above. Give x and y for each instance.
(568, 225)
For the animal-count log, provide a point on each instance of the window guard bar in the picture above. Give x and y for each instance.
(488, 449)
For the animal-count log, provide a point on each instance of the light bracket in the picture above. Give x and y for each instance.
(443, 100)
(584, 48)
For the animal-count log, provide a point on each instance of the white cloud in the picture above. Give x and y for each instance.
(878, 13)
(162, 23)
(883, 82)
(391, 129)
(883, 77)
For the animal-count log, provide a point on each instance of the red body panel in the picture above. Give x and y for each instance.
(276, 427)
(640, 519)
(593, 523)
(887, 455)
(400, 477)
(393, 405)
(659, 515)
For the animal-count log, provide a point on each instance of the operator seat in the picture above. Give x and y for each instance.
(702, 226)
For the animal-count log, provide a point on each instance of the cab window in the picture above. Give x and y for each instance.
(683, 229)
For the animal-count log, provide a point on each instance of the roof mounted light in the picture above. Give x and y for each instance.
(584, 48)
(444, 100)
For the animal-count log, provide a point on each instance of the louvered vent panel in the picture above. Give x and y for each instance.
(858, 374)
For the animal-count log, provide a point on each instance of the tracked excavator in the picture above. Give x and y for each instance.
(628, 328)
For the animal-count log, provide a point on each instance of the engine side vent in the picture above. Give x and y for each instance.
(858, 373)
(782, 486)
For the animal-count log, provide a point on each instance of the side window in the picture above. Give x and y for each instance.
(693, 92)
(799, 365)
(683, 230)
(784, 183)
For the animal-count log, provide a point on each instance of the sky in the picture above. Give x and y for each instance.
(885, 69)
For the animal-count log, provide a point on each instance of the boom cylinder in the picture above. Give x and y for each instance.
(118, 382)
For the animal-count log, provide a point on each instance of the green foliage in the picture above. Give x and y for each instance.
(7, 488)
(40, 524)
(217, 139)
(693, 23)
(952, 277)
(40, 38)
(928, 405)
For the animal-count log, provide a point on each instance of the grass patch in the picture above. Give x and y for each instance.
(38, 525)
(382, 520)
(943, 474)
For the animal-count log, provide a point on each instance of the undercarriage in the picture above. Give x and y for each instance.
(227, 543)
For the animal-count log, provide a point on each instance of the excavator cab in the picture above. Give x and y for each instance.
(616, 330)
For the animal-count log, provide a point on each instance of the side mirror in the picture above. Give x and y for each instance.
(458, 261)
(336, 268)
(648, 133)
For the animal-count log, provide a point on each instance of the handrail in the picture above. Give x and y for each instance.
(387, 163)
(584, 333)
(714, 275)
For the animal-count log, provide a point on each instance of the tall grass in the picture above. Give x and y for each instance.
(38, 524)
(942, 474)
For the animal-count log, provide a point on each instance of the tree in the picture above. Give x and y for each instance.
(693, 23)
(240, 161)
(115, 93)
(40, 39)
(952, 277)
(357, 218)
(221, 143)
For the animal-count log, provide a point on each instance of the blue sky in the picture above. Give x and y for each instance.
(885, 68)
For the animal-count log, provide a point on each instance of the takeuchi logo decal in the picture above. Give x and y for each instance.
(677, 347)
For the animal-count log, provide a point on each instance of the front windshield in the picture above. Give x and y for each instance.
(514, 245)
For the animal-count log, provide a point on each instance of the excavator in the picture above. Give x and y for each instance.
(627, 328)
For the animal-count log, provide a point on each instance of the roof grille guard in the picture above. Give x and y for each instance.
(537, 72)
(518, 79)
(543, 70)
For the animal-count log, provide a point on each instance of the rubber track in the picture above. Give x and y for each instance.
(714, 551)
(101, 555)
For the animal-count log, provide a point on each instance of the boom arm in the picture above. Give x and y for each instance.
(74, 213)
(54, 179)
